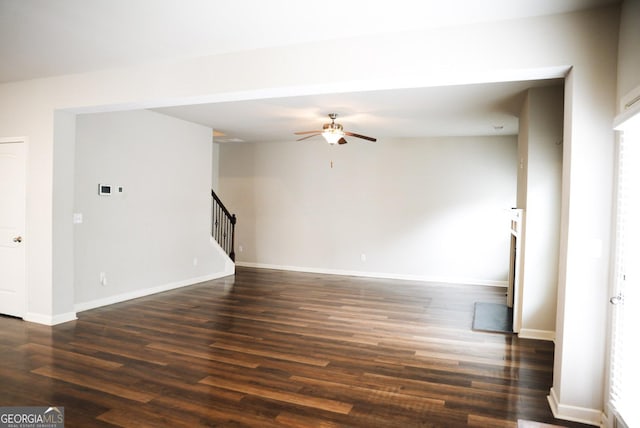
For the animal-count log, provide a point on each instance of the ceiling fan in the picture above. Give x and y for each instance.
(332, 132)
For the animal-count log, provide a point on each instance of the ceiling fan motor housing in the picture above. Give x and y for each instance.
(332, 127)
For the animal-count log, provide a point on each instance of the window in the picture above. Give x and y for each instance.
(625, 349)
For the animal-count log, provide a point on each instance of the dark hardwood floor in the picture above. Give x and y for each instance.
(269, 348)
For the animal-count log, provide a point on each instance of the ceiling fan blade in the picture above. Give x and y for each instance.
(364, 137)
(342, 141)
(307, 132)
(308, 136)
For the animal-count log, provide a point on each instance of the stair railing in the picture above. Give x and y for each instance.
(223, 226)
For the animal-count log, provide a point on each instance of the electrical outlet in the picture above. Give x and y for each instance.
(103, 279)
(240, 248)
(195, 261)
(363, 257)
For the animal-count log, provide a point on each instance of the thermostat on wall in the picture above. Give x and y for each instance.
(104, 189)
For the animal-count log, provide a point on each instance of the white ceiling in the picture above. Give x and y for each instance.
(401, 113)
(41, 38)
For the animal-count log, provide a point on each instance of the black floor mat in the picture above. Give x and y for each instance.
(493, 317)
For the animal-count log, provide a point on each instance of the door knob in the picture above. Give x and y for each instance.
(616, 299)
(17, 239)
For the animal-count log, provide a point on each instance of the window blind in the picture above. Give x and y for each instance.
(625, 349)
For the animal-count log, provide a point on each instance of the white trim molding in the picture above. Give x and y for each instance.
(85, 306)
(381, 275)
(629, 107)
(50, 319)
(573, 413)
(608, 420)
(229, 265)
(530, 333)
(228, 270)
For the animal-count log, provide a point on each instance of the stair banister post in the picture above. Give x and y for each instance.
(232, 254)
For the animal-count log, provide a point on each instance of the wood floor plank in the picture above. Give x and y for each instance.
(97, 363)
(287, 397)
(487, 422)
(190, 352)
(88, 381)
(272, 348)
(374, 393)
(286, 419)
(220, 414)
(146, 418)
(272, 354)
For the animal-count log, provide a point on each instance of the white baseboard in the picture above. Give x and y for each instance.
(50, 319)
(382, 275)
(573, 413)
(229, 265)
(607, 421)
(530, 333)
(85, 306)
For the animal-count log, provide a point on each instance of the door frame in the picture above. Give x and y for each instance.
(23, 140)
(514, 290)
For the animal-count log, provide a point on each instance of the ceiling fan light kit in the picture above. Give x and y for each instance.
(332, 137)
(332, 132)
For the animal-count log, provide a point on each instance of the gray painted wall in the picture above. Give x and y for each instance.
(433, 209)
(156, 233)
(539, 194)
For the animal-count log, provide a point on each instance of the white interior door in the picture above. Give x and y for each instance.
(12, 227)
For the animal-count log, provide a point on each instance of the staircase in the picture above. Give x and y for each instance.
(223, 226)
